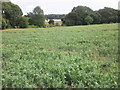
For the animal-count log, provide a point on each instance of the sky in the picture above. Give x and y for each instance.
(63, 6)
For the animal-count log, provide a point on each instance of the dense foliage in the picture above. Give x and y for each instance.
(22, 22)
(37, 20)
(61, 57)
(109, 15)
(36, 17)
(10, 14)
(37, 10)
(82, 15)
(88, 20)
(4, 23)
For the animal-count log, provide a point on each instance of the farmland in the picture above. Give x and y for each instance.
(63, 57)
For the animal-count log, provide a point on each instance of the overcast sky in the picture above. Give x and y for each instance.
(63, 6)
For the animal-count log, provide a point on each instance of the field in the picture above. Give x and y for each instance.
(61, 57)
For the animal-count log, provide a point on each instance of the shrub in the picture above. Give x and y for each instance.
(5, 23)
(57, 24)
(22, 22)
(88, 20)
(78, 15)
(33, 26)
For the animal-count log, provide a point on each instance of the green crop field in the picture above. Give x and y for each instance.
(61, 57)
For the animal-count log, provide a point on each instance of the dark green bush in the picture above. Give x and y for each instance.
(33, 26)
(88, 20)
(5, 23)
(22, 22)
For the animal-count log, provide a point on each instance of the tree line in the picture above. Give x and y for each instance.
(55, 16)
(12, 16)
(82, 15)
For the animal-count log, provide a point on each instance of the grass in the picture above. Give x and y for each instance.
(61, 57)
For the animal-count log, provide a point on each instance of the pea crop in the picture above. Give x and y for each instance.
(61, 57)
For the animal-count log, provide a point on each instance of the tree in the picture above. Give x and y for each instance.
(29, 14)
(113, 19)
(88, 20)
(71, 19)
(108, 15)
(37, 10)
(77, 15)
(36, 17)
(4, 23)
(11, 12)
(22, 22)
(37, 20)
(96, 17)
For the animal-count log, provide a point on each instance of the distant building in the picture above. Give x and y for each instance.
(56, 20)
